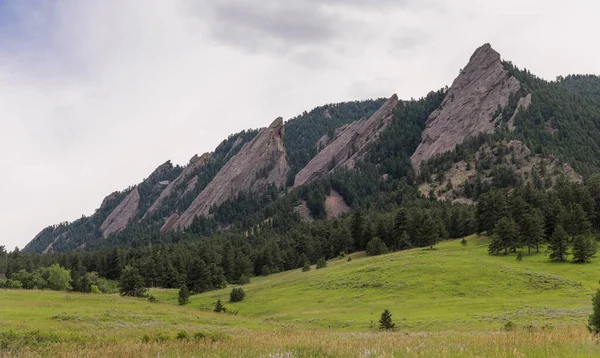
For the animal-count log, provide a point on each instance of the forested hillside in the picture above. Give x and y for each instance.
(524, 175)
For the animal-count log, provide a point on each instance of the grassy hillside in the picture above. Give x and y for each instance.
(452, 287)
(452, 301)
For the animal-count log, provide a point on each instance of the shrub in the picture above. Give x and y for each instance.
(95, 289)
(349, 258)
(237, 295)
(509, 326)
(306, 267)
(182, 335)
(265, 271)
(152, 299)
(322, 263)
(463, 242)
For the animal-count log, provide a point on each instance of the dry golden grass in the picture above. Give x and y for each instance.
(559, 342)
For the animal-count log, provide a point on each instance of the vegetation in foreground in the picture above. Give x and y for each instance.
(454, 300)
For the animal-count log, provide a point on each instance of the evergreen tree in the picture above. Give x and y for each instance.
(385, 322)
(532, 229)
(131, 283)
(356, 230)
(184, 295)
(219, 307)
(504, 237)
(559, 242)
(322, 263)
(594, 319)
(584, 247)
(376, 247)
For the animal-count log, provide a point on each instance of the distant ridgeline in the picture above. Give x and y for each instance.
(329, 181)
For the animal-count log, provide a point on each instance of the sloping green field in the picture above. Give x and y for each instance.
(452, 301)
(450, 287)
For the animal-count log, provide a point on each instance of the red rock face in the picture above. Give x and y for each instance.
(259, 163)
(349, 143)
(469, 105)
(123, 213)
(185, 176)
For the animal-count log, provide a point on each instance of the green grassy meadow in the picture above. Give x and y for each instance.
(450, 301)
(452, 287)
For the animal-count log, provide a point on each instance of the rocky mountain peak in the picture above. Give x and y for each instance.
(348, 145)
(470, 105)
(260, 162)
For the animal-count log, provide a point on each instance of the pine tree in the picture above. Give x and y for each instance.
(131, 283)
(584, 248)
(376, 247)
(184, 295)
(594, 319)
(322, 263)
(559, 242)
(356, 230)
(385, 322)
(504, 237)
(219, 307)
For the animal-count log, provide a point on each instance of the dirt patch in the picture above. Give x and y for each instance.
(335, 205)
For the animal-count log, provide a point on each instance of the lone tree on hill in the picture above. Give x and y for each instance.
(184, 295)
(385, 322)
(219, 307)
(131, 283)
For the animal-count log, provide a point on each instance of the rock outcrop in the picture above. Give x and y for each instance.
(170, 223)
(469, 105)
(186, 176)
(349, 143)
(259, 163)
(122, 214)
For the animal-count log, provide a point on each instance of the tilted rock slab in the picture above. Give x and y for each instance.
(123, 213)
(185, 176)
(259, 163)
(348, 144)
(469, 105)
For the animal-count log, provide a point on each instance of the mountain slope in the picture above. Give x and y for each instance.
(260, 163)
(472, 105)
(349, 143)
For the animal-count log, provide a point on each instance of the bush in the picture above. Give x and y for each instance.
(152, 299)
(182, 335)
(463, 242)
(322, 263)
(376, 247)
(306, 267)
(349, 258)
(95, 289)
(509, 326)
(237, 295)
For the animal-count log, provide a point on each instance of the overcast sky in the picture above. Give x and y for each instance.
(95, 94)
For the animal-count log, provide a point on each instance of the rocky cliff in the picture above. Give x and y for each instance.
(349, 143)
(186, 177)
(259, 163)
(122, 214)
(470, 105)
